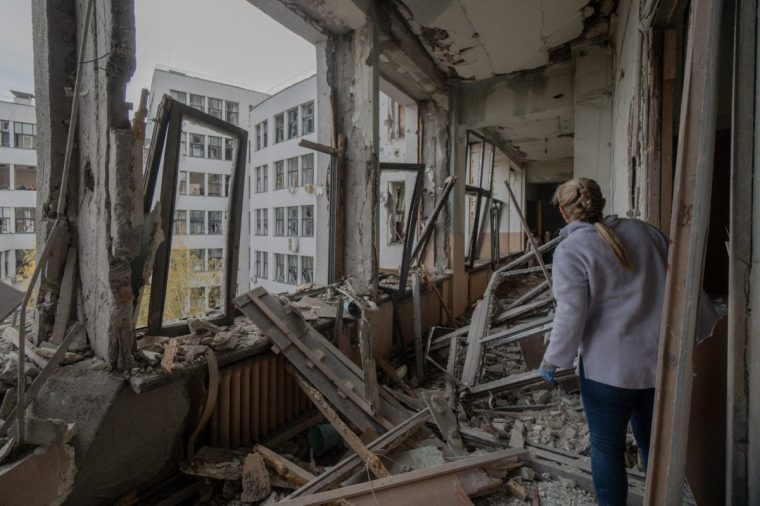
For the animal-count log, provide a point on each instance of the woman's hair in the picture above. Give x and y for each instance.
(581, 199)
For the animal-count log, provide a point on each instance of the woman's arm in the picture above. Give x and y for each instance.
(570, 286)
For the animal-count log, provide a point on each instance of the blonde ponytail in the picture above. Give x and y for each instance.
(611, 239)
(581, 199)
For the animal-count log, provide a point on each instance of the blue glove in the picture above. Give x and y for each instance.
(546, 370)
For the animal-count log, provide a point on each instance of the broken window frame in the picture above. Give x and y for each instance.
(307, 118)
(165, 147)
(411, 221)
(481, 191)
(396, 192)
(279, 267)
(292, 123)
(307, 221)
(292, 221)
(279, 175)
(307, 269)
(292, 270)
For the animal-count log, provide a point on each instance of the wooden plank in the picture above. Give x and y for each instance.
(513, 382)
(292, 472)
(529, 295)
(668, 113)
(389, 371)
(690, 220)
(445, 420)
(381, 445)
(414, 477)
(65, 298)
(255, 479)
(11, 334)
(478, 326)
(419, 358)
(374, 464)
(451, 366)
(371, 392)
(440, 490)
(170, 351)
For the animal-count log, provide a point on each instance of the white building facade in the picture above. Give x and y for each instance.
(18, 184)
(206, 163)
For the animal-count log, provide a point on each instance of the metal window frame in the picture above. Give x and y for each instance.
(411, 220)
(166, 141)
(476, 231)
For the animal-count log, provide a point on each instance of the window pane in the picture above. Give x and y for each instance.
(229, 149)
(293, 123)
(197, 222)
(279, 175)
(197, 260)
(179, 96)
(5, 176)
(5, 133)
(279, 267)
(279, 221)
(214, 147)
(197, 183)
(215, 185)
(232, 112)
(307, 269)
(307, 118)
(279, 128)
(292, 269)
(215, 222)
(292, 172)
(197, 145)
(180, 222)
(198, 102)
(215, 107)
(25, 220)
(215, 259)
(307, 169)
(307, 221)
(292, 221)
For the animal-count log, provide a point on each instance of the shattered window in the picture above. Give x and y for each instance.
(179, 96)
(232, 112)
(215, 297)
(307, 118)
(197, 222)
(229, 148)
(279, 175)
(25, 220)
(261, 179)
(197, 300)
(198, 102)
(197, 183)
(198, 259)
(215, 259)
(307, 170)
(293, 123)
(396, 212)
(292, 221)
(215, 107)
(214, 147)
(279, 221)
(215, 185)
(307, 221)
(5, 133)
(215, 222)
(279, 267)
(262, 218)
(5, 220)
(279, 128)
(262, 258)
(197, 145)
(292, 172)
(292, 269)
(307, 269)
(180, 222)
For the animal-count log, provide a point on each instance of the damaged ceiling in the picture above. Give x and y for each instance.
(478, 39)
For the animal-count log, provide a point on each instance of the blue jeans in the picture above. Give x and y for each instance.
(608, 410)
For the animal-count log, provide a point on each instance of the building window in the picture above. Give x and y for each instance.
(279, 267)
(5, 133)
(292, 269)
(5, 220)
(279, 221)
(279, 175)
(307, 118)
(215, 107)
(5, 176)
(25, 220)
(262, 221)
(307, 269)
(307, 169)
(292, 172)
(23, 256)
(307, 221)
(183, 182)
(179, 96)
(262, 135)
(262, 261)
(25, 177)
(215, 297)
(262, 181)
(214, 147)
(183, 143)
(229, 149)
(198, 102)
(197, 183)
(292, 221)
(215, 222)
(396, 219)
(215, 185)
(197, 222)
(198, 260)
(180, 222)
(25, 135)
(197, 145)
(279, 128)
(197, 300)
(227, 180)
(232, 112)
(215, 259)
(293, 123)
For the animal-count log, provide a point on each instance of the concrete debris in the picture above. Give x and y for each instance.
(201, 327)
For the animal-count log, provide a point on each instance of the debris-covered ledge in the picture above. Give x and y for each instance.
(162, 360)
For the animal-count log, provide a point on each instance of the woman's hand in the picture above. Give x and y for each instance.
(546, 370)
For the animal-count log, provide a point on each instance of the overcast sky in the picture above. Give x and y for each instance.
(228, 40)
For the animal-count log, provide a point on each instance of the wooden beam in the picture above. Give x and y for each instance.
(292, 472)
(690, 220)
(667, 120)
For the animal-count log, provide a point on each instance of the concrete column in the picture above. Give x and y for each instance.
(322, 164)
(460, 283)
(105, 209)
(593, 115)
(353, 76)
(435, 155)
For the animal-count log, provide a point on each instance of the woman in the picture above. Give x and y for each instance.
(609, 281)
